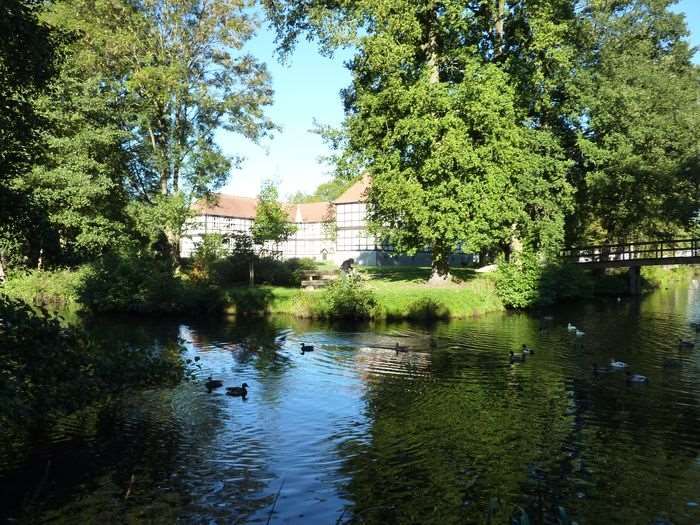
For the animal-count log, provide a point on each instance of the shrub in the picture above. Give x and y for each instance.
(347, 298)
(517, 281)
(54, 289)
(268, 270)
(141, 283)
(525, 281)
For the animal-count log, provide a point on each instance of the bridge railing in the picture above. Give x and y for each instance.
(667, 249)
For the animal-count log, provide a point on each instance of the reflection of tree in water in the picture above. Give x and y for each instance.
(441, 451)
(445, 448)
(640, 449)
(160, 446)
(254, 341)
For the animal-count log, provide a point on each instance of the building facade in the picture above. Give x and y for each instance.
(326, 231)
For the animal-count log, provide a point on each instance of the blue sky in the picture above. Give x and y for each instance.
(308, 87)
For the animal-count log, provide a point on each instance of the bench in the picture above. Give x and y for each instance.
(314, 279)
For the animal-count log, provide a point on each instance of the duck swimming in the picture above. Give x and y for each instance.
(211, 384)
(237, 391)
(580, 333)
(516, 358)
(306, 348)
(570, 327)
(528, 350)
(618, 364)
(684, 343)
(636, 378)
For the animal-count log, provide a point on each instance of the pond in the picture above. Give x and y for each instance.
(354, 432)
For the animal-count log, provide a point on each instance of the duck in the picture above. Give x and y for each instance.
(237, 391)
(211, 384)
(636, 378)
(306, 348)
(570, 327)
(400, 348)
(684, 343)
(580, 333)
(528, 350)
(618, 364)
(516, 358)
(548, 318)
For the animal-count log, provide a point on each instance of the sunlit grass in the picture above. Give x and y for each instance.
(401, 292)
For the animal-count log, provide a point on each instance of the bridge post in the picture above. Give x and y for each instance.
(635, 280)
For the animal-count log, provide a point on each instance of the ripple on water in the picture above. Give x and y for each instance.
(438, 434)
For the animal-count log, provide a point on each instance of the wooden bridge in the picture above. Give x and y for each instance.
(635, 255)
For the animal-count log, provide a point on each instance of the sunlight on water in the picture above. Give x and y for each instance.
(355, 432)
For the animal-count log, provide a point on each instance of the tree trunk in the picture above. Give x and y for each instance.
(251, 271)
(498, 31)
(440, 271)
(2, 272)
(164, 183)
(430, 49)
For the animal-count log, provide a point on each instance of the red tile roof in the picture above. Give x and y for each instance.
(229, 206)
(310, 212)
(355, 193)
(245, 207)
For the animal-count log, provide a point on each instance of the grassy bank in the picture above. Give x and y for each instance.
(382, 293)
(400, 293)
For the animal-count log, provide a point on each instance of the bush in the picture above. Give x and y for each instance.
(347, 298)
(427, 309)
(525, 282)
(517, 281)
(268, 270)
(144, 284)
(54, 289)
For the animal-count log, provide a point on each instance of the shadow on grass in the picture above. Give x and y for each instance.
(419, 274)
(424, 309)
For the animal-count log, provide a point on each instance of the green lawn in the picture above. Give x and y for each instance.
(401, 292)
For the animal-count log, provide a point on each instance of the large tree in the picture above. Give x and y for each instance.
(638, 141)
(27, 63)
(608, 85)
(434, 115)
(157, 78)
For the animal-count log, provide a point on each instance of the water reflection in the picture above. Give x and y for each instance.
(354, 432)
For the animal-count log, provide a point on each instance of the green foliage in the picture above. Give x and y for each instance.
(142, 91)
(477, 119)
(346, 298)
(47, 369)
(454, 160)
(208, 253)
(271, 220)
(55, 289)
(268, 271)
(640, 166)
(134, 282)
(28, 59)
(517, 282)
(526, 280)
(326, 192)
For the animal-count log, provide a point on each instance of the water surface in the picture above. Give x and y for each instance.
(353, 432)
